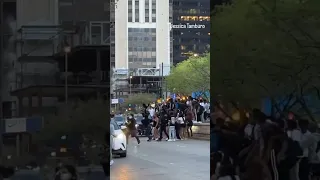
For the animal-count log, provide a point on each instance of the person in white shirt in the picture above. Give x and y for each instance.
(152, 111)
(206, 106)
(303, 138)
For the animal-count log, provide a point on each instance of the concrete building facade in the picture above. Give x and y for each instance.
(142, 38)
(143, 43)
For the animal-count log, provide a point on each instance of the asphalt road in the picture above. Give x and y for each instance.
(179, 160)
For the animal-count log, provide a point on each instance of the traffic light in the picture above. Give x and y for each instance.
(129, 109)
(129, 105)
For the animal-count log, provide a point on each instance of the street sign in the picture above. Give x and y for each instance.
(121, 71)
(121, 100)
(114, 101)
(15, 125)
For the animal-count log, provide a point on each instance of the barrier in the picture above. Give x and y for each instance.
(201, 131)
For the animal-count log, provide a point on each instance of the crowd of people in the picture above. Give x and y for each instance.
(173, 118)
(264, 148)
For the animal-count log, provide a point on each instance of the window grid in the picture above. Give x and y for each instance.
(136, 14)
(129, 10)
(142, 47)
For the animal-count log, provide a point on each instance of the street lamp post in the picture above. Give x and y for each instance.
(130, 84)
(67, 50)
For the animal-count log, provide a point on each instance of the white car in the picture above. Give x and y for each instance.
(119, 141)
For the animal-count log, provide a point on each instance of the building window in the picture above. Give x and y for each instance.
(146, 15)
(204, 18)
(136, 14)
(129, 10)
(130, 17)
(141, 48)
(154, 11)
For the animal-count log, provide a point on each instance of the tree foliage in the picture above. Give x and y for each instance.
(89, 119)
(266, 49)
(191, 75)
(139, 99)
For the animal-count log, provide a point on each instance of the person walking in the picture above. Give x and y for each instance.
(189, 121)
(172, 128)
(155, 125)
(163, 124)
(206, 113)
(132, 128)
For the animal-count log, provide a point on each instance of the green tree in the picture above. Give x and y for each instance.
(139, 99)
(266, 49)
(190, 75)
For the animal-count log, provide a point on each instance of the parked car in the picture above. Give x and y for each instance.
(119, 141)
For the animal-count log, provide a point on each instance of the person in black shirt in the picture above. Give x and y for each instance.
(164, 117)
(132, 127)
(171, 105)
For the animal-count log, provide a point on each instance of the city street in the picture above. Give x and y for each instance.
(185, 160)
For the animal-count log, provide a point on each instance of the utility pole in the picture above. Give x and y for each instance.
(67, 49)
(161, 88)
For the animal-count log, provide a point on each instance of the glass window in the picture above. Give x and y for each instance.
(137, 15)
(153, 19)
(130, 17)
(154, 38)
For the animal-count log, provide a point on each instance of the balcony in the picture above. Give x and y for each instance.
(94, 33)
(37, 40)
(45, 40)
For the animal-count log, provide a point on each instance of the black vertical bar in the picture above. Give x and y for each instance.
(1, 77)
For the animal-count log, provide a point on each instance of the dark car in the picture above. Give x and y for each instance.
(140, 127)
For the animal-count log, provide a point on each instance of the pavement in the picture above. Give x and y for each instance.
(183, 160)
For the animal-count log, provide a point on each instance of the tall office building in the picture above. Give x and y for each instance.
(190, 40)
(142, 48)
(142, 38)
